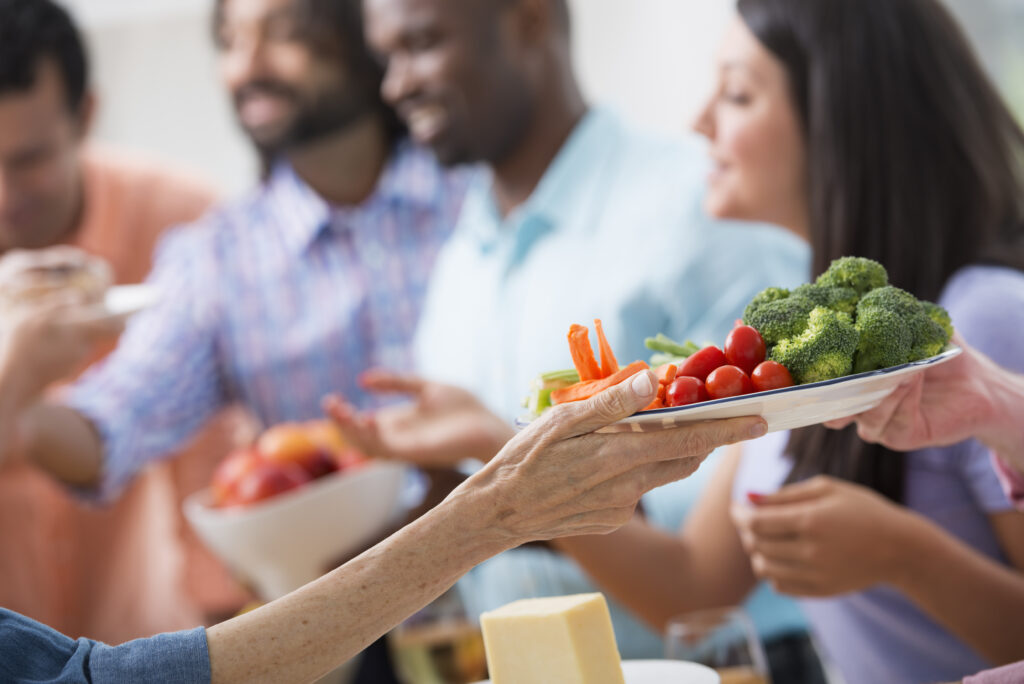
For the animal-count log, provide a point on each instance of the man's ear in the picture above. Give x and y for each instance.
(86, 114)
(535, 19)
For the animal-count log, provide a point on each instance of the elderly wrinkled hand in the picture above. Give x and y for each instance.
(561, 478)
(823, 537)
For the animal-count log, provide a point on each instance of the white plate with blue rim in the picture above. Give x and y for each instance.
(663, 671)
(788, 408)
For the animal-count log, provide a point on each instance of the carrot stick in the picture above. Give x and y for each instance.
(656, 404)
(666, 373)
(608, 363)
(582, 353)
(588, 388)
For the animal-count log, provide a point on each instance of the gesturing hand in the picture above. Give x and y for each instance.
(822, 537)
(439, 427)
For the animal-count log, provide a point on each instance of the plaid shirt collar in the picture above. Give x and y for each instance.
(411, 178)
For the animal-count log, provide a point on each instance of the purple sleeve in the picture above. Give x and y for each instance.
(163, 381)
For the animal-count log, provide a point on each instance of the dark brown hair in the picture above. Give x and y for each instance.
(35, 30)
(914, 160)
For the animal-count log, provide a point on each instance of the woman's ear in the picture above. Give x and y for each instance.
(86, 114)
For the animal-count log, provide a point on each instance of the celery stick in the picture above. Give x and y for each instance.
(663, 343)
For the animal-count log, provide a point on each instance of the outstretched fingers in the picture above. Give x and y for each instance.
(359, 430)
(391, 382)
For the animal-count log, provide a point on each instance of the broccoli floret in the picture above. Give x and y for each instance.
(781, 318)
(899, 323)
(940, 316)
(930, 338)
(830, 296)
(824, 350)
(899, 302)
(862, 275)
(885, 340)
(765, 296)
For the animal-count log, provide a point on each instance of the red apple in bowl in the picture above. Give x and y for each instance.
(326, 435)
(287, 442)
(224, 485)
(319, 463)
(296, 443)
(269, 479)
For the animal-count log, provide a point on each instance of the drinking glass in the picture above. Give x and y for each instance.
(440, 644)
(723, 639)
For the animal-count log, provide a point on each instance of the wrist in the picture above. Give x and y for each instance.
(18, 388)
(16, 395)
(1002, 433)
(469, 519)
(912, 543)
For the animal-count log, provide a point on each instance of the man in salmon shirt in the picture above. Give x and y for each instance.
(126, 571)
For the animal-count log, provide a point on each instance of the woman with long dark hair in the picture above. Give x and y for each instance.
(868, 128)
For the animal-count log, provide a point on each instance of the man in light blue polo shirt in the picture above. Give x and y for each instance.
(614, 230)
(577, 216)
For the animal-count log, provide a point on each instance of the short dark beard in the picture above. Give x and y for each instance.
(328, 116)
(330, 113)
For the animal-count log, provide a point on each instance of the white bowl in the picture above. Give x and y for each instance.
(282, 543)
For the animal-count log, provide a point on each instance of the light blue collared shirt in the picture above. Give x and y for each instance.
(614, 230)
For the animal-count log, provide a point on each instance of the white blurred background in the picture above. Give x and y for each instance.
(154, 67)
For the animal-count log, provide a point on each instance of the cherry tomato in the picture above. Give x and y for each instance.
(744, 348)
(771, 375)
(728, 381)
(685, 390)
(703, 362)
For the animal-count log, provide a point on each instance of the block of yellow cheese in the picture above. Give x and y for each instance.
(557, 640)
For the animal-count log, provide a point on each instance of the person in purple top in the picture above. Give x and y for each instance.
(971, 396)
(868, 128)
(968, 397)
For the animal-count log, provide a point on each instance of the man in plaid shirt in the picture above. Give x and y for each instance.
(285, 295)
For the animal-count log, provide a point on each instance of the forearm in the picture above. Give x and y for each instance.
(936, 571)
(323, 624)
(63, 443)
(54, 438)
(12, 402)
(658, 575)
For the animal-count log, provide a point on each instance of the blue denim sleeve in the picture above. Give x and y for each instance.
(32, 652)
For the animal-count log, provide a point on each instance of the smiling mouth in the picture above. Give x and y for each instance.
(258, 110)
(426, 122)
